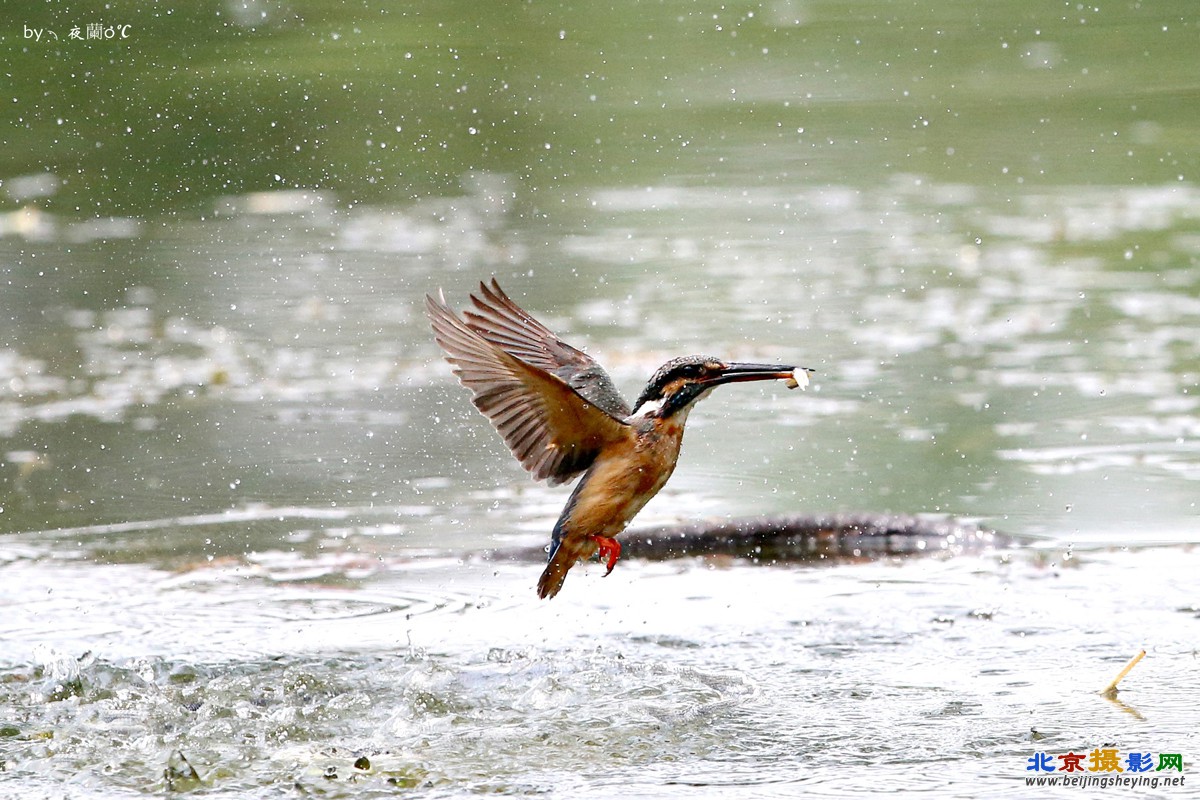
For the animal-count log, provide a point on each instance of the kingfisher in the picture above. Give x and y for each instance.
(561, 415)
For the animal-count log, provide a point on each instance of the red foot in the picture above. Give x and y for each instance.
(610, 549)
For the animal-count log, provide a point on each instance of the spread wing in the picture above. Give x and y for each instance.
(508, 326)
(552, 429)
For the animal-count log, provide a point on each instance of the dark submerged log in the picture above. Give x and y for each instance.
(805, 537)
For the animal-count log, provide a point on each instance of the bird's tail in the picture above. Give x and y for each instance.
(562, 558)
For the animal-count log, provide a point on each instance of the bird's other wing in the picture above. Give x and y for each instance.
(498, 319)
(552, 430)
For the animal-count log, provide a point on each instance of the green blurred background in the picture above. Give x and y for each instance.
(387, 102)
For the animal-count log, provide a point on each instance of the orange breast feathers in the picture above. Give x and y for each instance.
(622, 481)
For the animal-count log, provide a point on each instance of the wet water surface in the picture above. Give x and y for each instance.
(448, 676)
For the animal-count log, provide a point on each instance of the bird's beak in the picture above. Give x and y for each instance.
(737, 372)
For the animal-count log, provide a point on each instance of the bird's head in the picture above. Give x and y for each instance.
(682, 381)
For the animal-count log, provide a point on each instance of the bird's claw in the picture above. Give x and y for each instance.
(610, 551)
